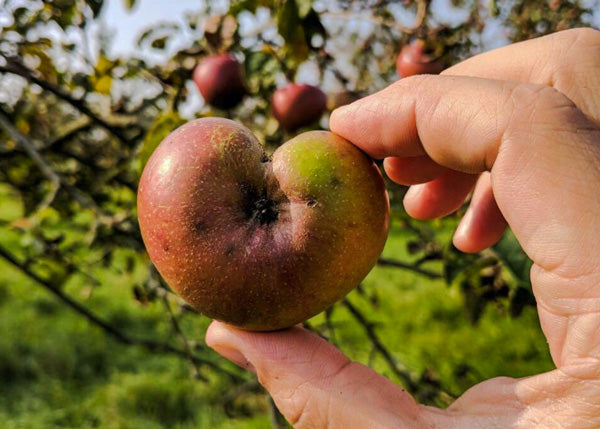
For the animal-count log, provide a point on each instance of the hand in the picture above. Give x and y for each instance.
(520, 125)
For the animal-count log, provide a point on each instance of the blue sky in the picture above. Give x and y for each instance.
(128, 25)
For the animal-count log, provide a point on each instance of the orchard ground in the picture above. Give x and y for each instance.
(57, 370)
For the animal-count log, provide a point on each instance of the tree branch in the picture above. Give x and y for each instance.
(385, 262)
(368, 326)
(181, 335)
(16, 67)
(45, 168)
(150, 345)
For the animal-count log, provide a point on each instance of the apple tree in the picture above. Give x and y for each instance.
(77, 126)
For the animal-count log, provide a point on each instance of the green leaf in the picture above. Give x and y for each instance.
(519, 299)
(159, 130)
(45, 67)
(248, 5)
(512, 255)
(103, 85)
(455, 263)
(261, 69)
(304, 7)
(161, 30)
(129, 4)
(160, 43)
(289, 26)
(104, 65)
(312, 26)
(95, 6)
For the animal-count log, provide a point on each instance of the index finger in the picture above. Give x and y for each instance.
(441, 111)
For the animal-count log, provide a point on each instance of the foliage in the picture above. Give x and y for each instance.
(76, 127)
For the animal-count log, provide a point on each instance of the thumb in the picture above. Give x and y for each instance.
(313, 384)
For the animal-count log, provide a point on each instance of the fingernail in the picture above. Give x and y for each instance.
(340, 111)
(462, 231)
(236, 357)
(413, 192)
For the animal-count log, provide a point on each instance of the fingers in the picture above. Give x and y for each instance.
(568, 61)
(313, 384)
(460, 120)
(439, 197)
(544, 158)
(483, 224)
(412, 170)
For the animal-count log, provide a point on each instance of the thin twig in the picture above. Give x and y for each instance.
(368, 326)
(150, 345)
(385, 262)
(181, 335)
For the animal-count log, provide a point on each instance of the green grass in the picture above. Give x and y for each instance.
(58, 370)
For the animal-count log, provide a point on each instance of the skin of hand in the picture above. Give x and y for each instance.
(520, 126)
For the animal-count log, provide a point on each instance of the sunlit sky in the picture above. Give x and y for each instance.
(127, 25)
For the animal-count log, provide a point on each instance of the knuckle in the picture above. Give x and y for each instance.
(581, 45)
(584, 38)
(541, 103)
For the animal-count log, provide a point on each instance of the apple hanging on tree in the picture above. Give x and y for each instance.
(261, 243)
(220, 81)
(413, 59)
(298, 105)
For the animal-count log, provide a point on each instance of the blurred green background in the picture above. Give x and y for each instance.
(90, 336)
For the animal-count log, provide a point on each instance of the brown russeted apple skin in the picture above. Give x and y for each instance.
(413, 60)
(220, 81)
(257, 243)
(298, 105)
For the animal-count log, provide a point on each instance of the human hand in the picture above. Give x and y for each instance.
(520, 125)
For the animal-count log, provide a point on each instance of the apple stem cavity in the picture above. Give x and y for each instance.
(265, 210)
(259, 207)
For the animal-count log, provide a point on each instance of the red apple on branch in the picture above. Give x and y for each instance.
(220, 81)
(298, 105)
(413, 60)
(261, 243)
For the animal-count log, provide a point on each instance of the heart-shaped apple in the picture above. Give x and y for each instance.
(256, 242)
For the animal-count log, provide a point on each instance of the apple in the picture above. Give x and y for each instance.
(220, 81)
(261, 243)
(298, 105)
(413, 60)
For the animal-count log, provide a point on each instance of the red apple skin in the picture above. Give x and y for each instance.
(298, 105)
(220, 80)
(413, 60)
(257, 243)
